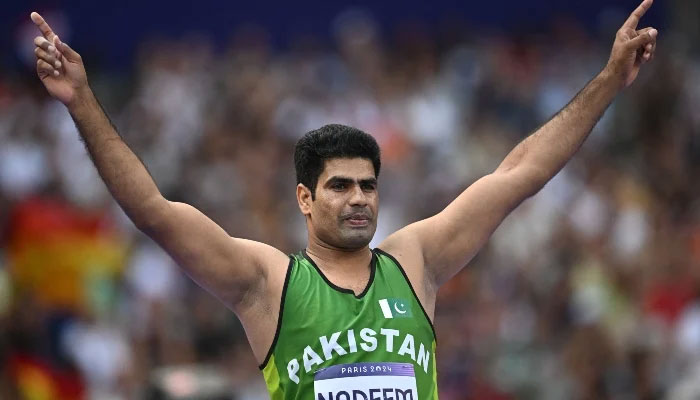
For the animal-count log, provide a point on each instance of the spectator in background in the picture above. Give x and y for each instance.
(507, 330)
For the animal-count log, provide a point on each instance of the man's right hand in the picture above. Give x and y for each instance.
(59, 67)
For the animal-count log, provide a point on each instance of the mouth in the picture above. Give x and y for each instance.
(358, 220)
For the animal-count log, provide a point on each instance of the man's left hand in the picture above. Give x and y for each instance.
(632, 47)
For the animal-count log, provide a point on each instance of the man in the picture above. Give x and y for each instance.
(339, 320)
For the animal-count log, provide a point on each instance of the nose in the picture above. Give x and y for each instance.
(358, 198)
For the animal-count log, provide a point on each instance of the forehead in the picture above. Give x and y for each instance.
(350, 167)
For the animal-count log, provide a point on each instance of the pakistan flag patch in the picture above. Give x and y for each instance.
(395, 308)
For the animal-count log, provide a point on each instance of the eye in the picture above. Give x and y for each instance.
(338, 186)
(369, 187)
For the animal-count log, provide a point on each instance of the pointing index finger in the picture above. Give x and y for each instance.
(43, 26)
(637, 14)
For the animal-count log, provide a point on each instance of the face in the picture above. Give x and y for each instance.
(344, 212)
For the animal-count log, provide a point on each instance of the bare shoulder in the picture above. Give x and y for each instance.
(405, 247)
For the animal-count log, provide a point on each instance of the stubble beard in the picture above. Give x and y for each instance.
(355, 238)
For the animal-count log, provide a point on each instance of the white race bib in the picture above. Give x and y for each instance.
(366, 381)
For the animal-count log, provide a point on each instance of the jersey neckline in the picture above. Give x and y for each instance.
(372, 267)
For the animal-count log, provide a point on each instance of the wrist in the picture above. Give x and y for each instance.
(82, 97)
(611, 77)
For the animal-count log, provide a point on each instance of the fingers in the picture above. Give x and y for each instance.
(42, 25)
(55, 50)
(41, 43)
(45, 68)
(647, 51)
(650, 52)
(51, 59)
(637, 14)
(67, 51)
(44, 44)
(644, 39)
(643, 31)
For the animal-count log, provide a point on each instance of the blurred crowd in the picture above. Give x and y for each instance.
(589, 290)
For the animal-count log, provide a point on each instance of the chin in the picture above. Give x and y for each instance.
(355, 244)
(356, 239)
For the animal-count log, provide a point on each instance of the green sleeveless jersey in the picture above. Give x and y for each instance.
(333, 345)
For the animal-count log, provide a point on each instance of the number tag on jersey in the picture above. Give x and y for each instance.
(366, 381)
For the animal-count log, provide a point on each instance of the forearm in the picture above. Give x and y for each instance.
(124, 174)
(546, 151)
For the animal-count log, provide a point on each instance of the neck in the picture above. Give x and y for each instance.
(332, 258)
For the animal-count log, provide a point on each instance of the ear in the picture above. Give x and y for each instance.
(304, 199)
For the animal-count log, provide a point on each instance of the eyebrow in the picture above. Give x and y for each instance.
(348, 180)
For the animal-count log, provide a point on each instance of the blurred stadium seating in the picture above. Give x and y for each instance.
(590, 290)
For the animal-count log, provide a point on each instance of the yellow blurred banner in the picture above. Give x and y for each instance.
(56, 250)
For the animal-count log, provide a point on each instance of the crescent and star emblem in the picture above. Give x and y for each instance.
(396, 308)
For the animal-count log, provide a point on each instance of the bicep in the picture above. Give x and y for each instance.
(450, 239)
(227, 267)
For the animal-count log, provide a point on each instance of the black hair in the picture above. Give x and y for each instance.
(328, 142)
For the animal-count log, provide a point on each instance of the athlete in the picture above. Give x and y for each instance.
(339, 320)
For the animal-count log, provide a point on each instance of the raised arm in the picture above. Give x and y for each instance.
(447, 241)
(229, 268)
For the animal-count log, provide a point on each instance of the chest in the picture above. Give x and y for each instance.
(352, 283)
(369, 332)
(318, 305)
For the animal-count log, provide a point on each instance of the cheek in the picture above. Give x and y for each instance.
(327, 210)
(374, 204)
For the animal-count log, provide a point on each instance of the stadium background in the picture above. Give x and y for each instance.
(588, 291)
